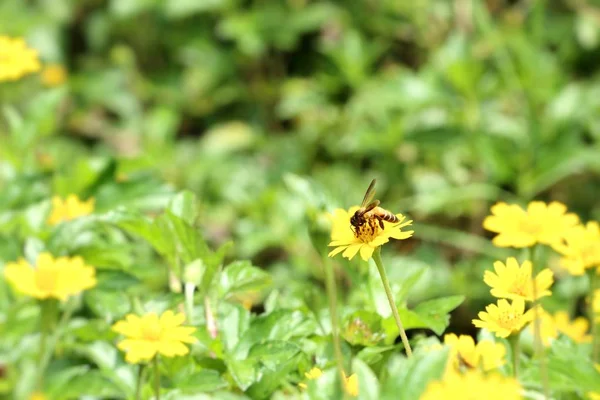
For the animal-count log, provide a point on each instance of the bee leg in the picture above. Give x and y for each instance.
(380, 223)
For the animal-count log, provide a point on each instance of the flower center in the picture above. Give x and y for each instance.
(46, 278)
(531, 227)
(508, 320)
(152, 332)
(519, 285)
(368, 231)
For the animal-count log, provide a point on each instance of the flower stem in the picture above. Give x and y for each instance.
(335, 332)
(156, 377)
(516, 352)
(593, 275)
(537, 338)
(388, 292)
(140, 382)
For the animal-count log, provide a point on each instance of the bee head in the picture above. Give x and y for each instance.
(356, 220)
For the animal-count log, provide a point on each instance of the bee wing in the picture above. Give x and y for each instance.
(369, 194)
(371, 205)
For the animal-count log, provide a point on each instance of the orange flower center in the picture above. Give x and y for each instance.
(368, 231)
(152, 332)
(508, 320)
(533, 228)
(46, 279)
(519, 286)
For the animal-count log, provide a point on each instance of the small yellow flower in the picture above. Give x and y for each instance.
(150, 334)
(51, 278)
(314, 373)
(551, 325)
(16, 59)
(541, 223)
(54, 75)
(473, 385)
(69, 209)
(548, 329)
(343, 238)
(512, 281)
(37, 396)
(351, 384)
(580, 248)
(593, 396)
(464, 353)
(504, 319)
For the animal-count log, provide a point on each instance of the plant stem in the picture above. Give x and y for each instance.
(537, 338)
(140, 382)
(388, 292)
(516, 352)
(335, 332)
(593, 275)
(156, 377)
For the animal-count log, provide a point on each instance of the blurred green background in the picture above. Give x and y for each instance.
(273, 111)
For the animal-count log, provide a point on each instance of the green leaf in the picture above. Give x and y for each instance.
(93, 383)
(206, 380)
(243, 372)
(363, 328)
(241, 276)
(184, 206)
(368, 385)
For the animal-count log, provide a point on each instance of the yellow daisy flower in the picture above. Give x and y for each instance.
(580, 248)
(351, 384)
(541, 223)
(512, 281)
(473, 385)
(314, 373)
(504, 319)
(343, 238)
(548, 329)
(465, 353)
(50, 278)
(150, 335)
(69, 209)
(552, 325)
(16, 59)
(54, 75)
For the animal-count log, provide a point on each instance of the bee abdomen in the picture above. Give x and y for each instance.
(388, 216)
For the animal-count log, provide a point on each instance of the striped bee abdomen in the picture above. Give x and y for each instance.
(382, 215)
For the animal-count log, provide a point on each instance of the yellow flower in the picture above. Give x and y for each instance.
(343, 238)
(37, 396)
(69, 209)
(314, 373)
(51, 278)
(548, 328)
(576, 329)
(473, 385)
(54, 75)
(351, 384)
(16, 59)
(541, 223)
(150, 334)
(580, 248)
(504, 319)
(593, 396)
(465, 353)
(512, 281)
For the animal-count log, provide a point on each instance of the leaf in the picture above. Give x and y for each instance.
(206, 380)
(408, 378)
(435, 312)
(363, 328)
(368, 385)
(94, 383)
(183, 205)
(243, 372)
(241, 276)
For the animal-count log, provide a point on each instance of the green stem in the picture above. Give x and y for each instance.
(140, 382)
(335, 332)
(49, 314)
(593, 275)
(516, 352)
(388, 292)
(156, 377)
(537, 338)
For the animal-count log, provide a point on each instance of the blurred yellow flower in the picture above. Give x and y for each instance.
(69, 209)
(512, 281)
(473, 385)
(37, 396)
(50, 278)
(314, 373)
(16, 59)
(343, 238)
(593, 396)
(150, 334)
(504, 319)
(351, 384)
(552, 325)
(580, 248)
(54, 75)
(465, 353)
(541, 223)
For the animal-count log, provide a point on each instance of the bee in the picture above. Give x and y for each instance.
(369, 211)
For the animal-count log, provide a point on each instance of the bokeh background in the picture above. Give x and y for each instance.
(275, 111)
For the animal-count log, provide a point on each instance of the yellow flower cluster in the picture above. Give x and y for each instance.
(465, 354)
(351, 242)
(70, 208)
(51, 277)
(150, 335)
(580, 248)
(473, 385)
(514, 281)
(54, 75)
(552, 325)
(16, 59)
